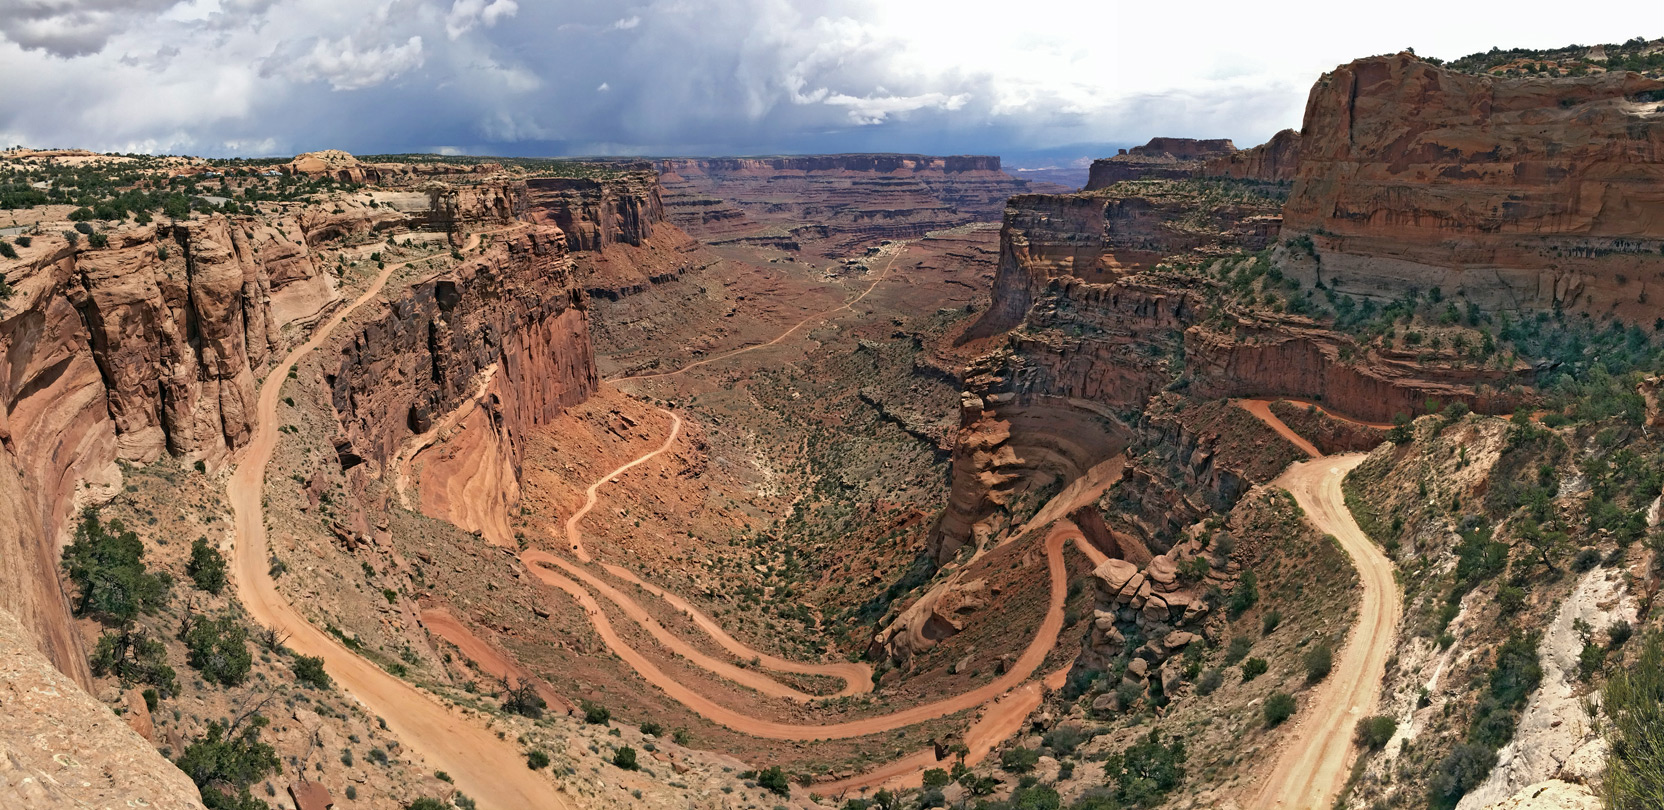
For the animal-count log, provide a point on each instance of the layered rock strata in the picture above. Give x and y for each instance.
(1160, 159)
(1274, 161)
(845, 199)
(145, 346)
(1529, 193)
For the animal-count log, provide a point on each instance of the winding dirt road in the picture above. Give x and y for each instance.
(483, 766)
(1315, 763)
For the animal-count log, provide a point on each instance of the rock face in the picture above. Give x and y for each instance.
(508, 328)
(845, 199)
(147, 346)
(1160, 159)
(595, 213)
(1274, 161)
(59, 747)
(1528, 193)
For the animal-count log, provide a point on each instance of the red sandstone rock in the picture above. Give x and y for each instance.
(1274, 161)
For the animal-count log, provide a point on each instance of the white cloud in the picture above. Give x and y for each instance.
(348, 67)
(627, 23)
(465, 14)
(603, 88)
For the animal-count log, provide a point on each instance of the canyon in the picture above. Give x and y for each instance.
(861, 469)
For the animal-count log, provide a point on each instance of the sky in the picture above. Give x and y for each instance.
(712, 77)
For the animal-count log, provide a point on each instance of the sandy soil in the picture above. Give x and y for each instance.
(1314, 765)
(1261, 408)
(482, 765)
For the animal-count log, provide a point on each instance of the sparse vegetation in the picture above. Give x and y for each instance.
(206, 567)
(1278, 707)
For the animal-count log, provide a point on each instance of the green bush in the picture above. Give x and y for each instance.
(1246, 594)
(98, 240)
(1514, 676)
(1278, 707)
(1618, 633)
(1210, 682)
(107, 563)
(1253, 668)
(1064, 739)
(426, 803)
(1633, 701)
(625, 758)
(218, 648)
(1146, 771)
(1018, 759)
(774, 780)
(595, 714)
(1319, 661)
(309, 670)
(1237, 649)
(134, 657)
(1590, 661)
(7, 250)
(207, 567)
(936, 778)
(650, 727)
(223, 764)
(1269, 621)
(1375, 732)
(1462, 770)
(537, 759)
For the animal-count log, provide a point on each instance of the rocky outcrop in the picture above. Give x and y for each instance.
(1527, 193)
(1160, 159)
(148, 345)
(621, 207)
(1153, 604)
(1101, 237)
(1274, 161)
(849, 200)
(512, 318)
(59, 747)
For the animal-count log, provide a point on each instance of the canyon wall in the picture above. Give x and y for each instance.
(1160, 159)
(146, 346)
(840, 201)
(616, 229)
(1275, 161)
(1528, 193)
(507, 328)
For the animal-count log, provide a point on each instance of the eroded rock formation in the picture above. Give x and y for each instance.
(1274, 161)
(1160, 159)
(1526, 193)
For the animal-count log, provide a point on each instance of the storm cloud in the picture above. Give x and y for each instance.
(527, 77)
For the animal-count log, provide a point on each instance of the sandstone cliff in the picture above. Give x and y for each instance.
(507, 328)
(1517, 193)
(1274, 161)
(1160, 159)
(146, 346)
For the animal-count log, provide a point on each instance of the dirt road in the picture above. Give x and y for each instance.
(575, 537)
(1045, 637)
(1261, 408)
(1315, 763)
(486, 768)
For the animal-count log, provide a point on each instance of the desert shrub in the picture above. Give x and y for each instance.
(1237, 649)
(1375, 732)
(1319, 661)
(1618, 633)
(206, 568)
(1585, 560)
(218, 648)
(426, 803)
(650, 727)
(774, 781)
(537, 759)
(72, 237)
(223, 764)
(1246, 594)
(1462, 770)
(1253, 668)
(1514, 676)
(1018, 759)
(24, 241)
(1210, 682)
(1269, 621)
(1633, 701)
(134, 657)
(98, 240)
(1037, 797)
(7, 250)
(309, 670)
(1590, 660)
(1278, 707)
(625, 758)
(1064, 739)
(83, 227)
(1145, 772)
(524, 701)
(936, 778)
(106, 562)
(595, 714)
